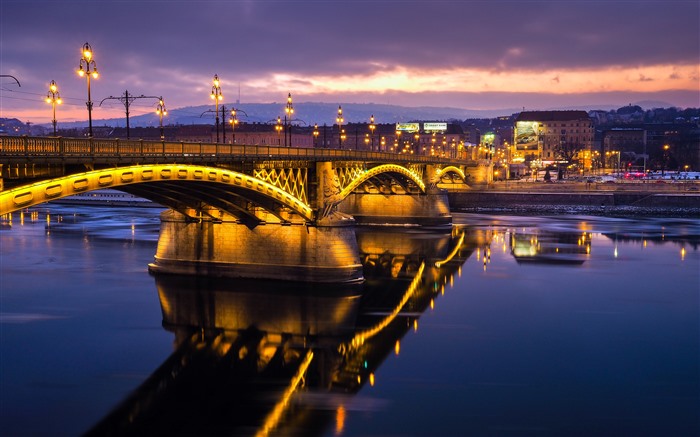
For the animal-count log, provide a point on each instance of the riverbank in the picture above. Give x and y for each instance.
(548, 199)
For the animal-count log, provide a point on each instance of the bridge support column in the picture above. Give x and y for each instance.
(430, 210)
(324, 252)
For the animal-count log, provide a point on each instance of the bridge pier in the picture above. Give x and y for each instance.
(429, 210)
(324, 252)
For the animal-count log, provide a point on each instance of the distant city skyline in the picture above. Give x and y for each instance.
(472, 55)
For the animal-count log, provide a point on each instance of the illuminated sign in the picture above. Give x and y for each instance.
(432, 127)
(407, 127)
(526, 135)
(488, 138)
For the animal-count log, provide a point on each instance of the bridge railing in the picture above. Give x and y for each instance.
(27, 148)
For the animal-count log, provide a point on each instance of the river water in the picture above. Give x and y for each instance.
(506, 326)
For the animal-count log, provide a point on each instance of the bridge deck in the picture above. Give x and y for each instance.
(52, 150)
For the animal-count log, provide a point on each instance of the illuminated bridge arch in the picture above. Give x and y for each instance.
(451, 169)
(391, 170)
(180, 187)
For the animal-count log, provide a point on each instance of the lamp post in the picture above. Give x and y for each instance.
(54, 98)
(665, 163)
(339, 119)
(161, 111)
(279, 128)
(216, 96)
(315, 133)
(288, 112)
(88, 68)
(372, 127)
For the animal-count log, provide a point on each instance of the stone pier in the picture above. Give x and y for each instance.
(428, 210)
(324, 252)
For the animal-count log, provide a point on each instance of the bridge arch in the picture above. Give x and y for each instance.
(176, 186)
(389, 169)
(451, 169)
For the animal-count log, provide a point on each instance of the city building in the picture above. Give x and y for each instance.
(553, 138)
(624, 145)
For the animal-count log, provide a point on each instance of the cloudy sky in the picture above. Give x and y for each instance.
(471, 54)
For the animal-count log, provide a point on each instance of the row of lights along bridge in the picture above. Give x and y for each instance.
(88, 68)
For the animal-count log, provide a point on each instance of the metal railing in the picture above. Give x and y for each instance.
(25, 148)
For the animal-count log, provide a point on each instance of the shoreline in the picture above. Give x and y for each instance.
(571, 201)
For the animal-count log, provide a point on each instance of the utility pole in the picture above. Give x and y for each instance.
(127, 100)
(223, 122)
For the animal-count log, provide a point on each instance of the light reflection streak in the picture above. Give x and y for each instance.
(274, 417)
(360, 338)
(340, 419)
(453, 253)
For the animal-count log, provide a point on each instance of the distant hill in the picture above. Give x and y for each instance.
(304, 113)
(315, 112)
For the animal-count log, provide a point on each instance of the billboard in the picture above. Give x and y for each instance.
(488, 138)
(526, 135)
(434, 127)
(407, 127)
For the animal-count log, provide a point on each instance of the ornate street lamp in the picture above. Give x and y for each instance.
(279, 128)
(315, 133)
(161, 111)
(288, 112)
(217, 97)
(54, 98)
(372, 127)
(88, 68)
(339, 119)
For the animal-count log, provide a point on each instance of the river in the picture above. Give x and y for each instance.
(506, 326)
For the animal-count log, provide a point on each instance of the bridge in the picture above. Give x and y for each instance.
(236, 210)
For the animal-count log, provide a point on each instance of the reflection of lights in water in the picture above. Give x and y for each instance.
(273, 418)
(371, 379)
(644, 245)
(339, 420)
(615, 251)
(682, 253)
(415, 325)
(397, 347)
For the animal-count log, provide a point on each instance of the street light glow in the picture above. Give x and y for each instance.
(85, 63)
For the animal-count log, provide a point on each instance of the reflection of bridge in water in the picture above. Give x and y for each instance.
(245, 351)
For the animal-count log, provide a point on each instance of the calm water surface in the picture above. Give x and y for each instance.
(507, 326)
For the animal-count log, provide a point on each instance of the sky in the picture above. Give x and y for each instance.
(470, 54)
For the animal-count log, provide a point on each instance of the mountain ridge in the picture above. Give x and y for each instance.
(310, 113)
